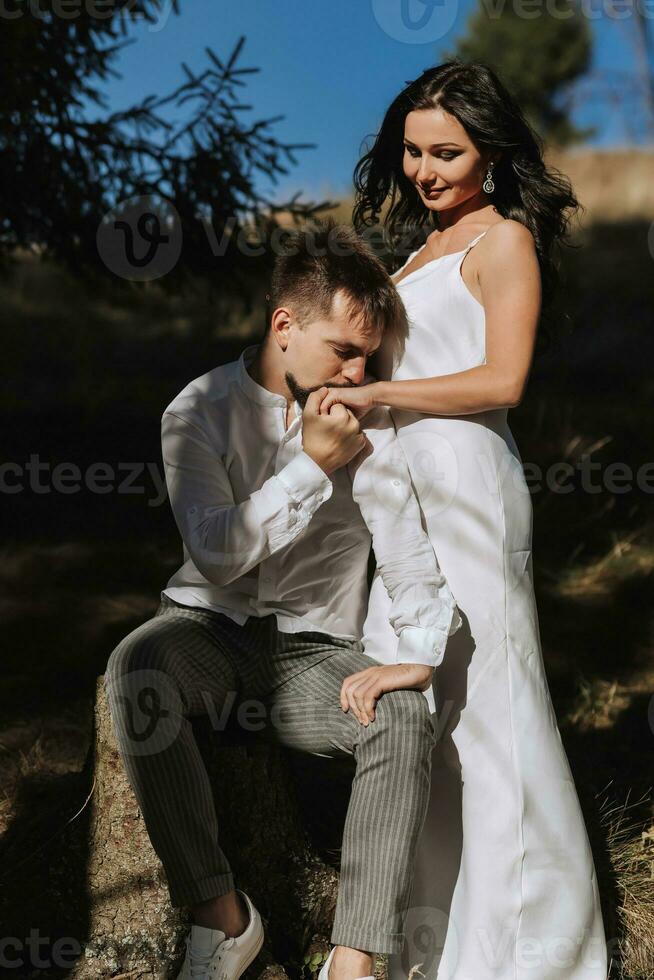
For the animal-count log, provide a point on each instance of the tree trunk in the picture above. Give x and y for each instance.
(281, 818)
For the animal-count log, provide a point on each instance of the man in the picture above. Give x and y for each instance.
(277, 505)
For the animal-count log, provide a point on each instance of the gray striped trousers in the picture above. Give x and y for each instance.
(188, 661)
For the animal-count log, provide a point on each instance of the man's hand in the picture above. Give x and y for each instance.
(331, 440)
(360, 691)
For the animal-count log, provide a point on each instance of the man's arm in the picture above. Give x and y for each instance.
(226, 539)
(423, 609)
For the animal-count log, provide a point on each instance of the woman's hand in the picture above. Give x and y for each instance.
(360, 691)
(360, 400)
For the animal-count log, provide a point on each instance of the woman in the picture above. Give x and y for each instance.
(505, 883)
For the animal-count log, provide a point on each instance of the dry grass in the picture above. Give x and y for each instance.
(599, 704)
(631, 849)
(626, 830)
(628, 558)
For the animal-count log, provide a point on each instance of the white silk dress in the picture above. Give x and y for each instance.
(505, 884)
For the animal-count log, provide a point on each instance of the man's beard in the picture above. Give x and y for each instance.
(301, 394)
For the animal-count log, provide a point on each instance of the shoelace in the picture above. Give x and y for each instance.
(199, 963)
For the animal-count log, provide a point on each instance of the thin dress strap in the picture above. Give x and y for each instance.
(475, 240)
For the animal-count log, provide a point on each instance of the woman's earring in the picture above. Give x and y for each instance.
(488, 184)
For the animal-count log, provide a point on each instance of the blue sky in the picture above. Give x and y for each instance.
(330, 67)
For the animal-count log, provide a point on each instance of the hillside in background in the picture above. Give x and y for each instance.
(613, 185)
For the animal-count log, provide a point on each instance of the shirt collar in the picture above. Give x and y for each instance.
(253, 389)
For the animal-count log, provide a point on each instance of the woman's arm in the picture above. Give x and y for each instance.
(509, 281)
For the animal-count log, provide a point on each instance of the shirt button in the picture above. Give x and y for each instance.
(396, 483)
(267, 578)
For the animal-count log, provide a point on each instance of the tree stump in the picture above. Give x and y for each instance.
(281, 819)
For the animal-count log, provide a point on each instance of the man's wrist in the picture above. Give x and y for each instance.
(322, 465)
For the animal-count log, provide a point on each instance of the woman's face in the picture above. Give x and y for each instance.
(441, 161)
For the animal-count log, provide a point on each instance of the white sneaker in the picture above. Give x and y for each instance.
(211, 956)
(324, 970)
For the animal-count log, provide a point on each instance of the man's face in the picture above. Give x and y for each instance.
(331, 352)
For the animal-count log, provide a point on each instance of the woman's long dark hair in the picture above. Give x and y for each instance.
(539, 197)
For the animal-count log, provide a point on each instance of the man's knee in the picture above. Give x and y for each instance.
(406, 711)
(143, 698)
(142, 649)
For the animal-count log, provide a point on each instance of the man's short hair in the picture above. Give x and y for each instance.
(319, 261)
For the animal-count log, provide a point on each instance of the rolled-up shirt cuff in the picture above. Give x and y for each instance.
(421, 645)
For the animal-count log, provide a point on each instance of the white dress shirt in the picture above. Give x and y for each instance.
(265, 530)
